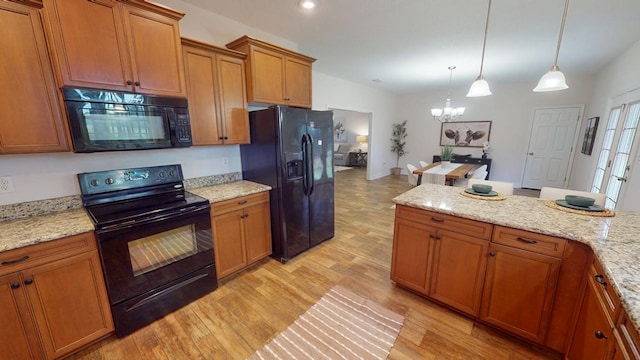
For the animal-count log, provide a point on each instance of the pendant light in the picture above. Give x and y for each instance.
(554, 79)
(480, 87)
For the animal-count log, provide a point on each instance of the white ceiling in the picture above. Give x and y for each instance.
(409, 44)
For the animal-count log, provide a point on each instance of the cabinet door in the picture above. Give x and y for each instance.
(156, 53)
(257, 225)
(70, 302)
(31, 119)
(297, 82)
(200, 68)
(410, 259)
(90, 46)
(266, 76)
(233, 100)
(459, 265)
(19, 339)
(519, 290)
(593, 331)
(229, 246)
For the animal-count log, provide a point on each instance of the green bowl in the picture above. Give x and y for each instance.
(581, 201)
(481, 188)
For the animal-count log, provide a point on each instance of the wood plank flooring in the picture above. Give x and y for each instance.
(250, 308)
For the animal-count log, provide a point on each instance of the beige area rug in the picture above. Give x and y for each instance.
(341, 325)
(337, 168)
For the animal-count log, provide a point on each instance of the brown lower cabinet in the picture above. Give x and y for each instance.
(241, 232)
(53, 299)
(524, 283)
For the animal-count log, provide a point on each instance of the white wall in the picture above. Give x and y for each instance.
(616, 79)
(333, 93)
(53, 175)
(510, 109)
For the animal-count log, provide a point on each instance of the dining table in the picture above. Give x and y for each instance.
(455, 174)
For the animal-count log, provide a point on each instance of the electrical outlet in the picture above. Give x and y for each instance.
(225, 161)
(6, 184)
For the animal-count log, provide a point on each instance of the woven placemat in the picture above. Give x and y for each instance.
(479, 197)
(605, 213)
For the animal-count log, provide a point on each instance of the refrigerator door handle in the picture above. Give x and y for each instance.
(309, 160)
(305, 165)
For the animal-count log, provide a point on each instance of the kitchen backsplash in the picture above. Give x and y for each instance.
(41, 207)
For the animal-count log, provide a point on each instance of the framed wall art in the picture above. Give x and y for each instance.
(465, 133)
(340, 130)
(590, 135)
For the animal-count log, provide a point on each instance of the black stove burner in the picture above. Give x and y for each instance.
(109, 215)
(122, 197)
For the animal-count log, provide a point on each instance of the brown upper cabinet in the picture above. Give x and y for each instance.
(217, 94)
(126, 45)
(275, 75)
(31, 119)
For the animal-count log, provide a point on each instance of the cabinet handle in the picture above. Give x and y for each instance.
(600, 279)
(10, 262)
(243, 216)
(129, 82)
(600, 335)
(137, 83)
(220, 138)
(15, 286)
(242, 202)
(527, 241)
(28, 282)
(493, 253)
(437, 219)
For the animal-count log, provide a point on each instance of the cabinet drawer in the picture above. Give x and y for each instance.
(452, 223)
(226, 206)
(22, 258)
(604, 291)
(542, 244)
(629, 336)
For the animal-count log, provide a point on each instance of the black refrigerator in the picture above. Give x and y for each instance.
(291, 150)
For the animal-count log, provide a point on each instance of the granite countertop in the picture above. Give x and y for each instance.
(222, 192)
(36, 224)
(614, 240)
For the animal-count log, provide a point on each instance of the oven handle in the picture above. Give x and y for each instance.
(130, 223)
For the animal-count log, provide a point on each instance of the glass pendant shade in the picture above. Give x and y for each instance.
(553, 80)
(480, 87)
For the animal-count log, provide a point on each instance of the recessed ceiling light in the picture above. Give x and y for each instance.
(307, 4)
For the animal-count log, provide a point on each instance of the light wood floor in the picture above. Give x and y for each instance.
(250, 308)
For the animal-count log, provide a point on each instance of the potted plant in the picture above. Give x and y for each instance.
(446, 153)
(398, 144)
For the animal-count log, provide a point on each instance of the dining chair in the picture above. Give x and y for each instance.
(479, 174)
(423, 163)
(551, 193)
(500, 187)
(411, 177)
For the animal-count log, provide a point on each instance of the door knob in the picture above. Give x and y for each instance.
(530, 153)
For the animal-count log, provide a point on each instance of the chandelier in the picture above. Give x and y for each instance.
(448, 113)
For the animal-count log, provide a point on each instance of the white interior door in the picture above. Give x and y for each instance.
(618, 162)
(551, 141)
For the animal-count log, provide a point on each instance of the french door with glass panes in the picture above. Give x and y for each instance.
(618, 145)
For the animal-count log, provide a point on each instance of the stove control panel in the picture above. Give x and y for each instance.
(98, 182)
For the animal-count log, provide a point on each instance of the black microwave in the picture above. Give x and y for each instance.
(102, 120)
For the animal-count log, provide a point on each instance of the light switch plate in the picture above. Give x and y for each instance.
(6, 184)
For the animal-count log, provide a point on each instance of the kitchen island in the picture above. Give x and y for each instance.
(614, 240)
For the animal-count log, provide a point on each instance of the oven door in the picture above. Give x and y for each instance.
(111, 127)
(146, 256)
